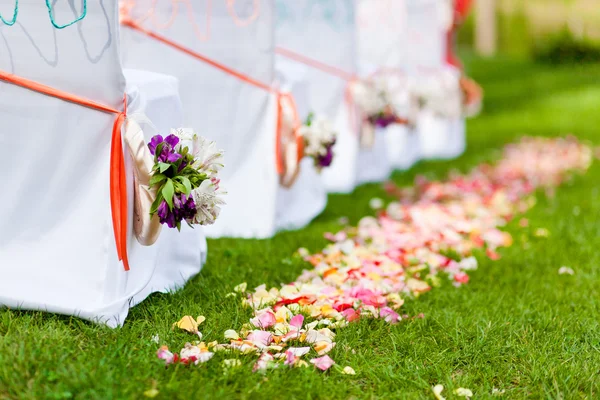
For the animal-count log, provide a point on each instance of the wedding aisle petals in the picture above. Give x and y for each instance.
(428, 237)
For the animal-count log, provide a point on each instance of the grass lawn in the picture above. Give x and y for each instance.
(518, 326)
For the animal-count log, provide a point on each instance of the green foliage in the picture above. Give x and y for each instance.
(518, 326)
(564, 48)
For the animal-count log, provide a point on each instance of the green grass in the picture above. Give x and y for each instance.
(517, 326)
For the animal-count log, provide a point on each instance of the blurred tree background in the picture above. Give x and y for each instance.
(549, 31)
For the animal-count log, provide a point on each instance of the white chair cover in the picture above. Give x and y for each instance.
(239, 116)
(57, 250)
(440, 138)
(323, 31)
(380, 47)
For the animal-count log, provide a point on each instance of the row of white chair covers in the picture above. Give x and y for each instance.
(223, 107)
(60, 235)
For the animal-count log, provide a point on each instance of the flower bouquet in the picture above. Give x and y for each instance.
(184, 177)
(439, 93)
(375, 104)
(319, 139)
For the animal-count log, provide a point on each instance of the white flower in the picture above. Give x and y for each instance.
(370, 96)
(207, 200)
(440, 93)
(184, 135)
(317, 137)
(207, 158)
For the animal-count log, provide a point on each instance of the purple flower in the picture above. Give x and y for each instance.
(327, 159)
(383, 120)
(167, 153)
(154, 142)
(163, 210)
(184, 208)
(172, 140)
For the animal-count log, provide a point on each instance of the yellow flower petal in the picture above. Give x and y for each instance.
(437, 392)
(241, 288)
(151, 393)
(348, 371)
(187, 323)
(463, 392)
(231, 334)
(232, 363)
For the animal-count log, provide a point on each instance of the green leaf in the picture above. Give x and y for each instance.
(187, 184)
(179, 188)
(168, 191)
(162, 167)
(156, 179)
(309, 119)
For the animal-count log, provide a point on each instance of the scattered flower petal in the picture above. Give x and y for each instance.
(437, 392)
(322, 363)
(231, 334)
(541, 233)
(565, 271)
(232, 363)
(189, 324)
(348, 371)
(241, 288)
(462, 392)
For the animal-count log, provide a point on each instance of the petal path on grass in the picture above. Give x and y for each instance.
(428, 234)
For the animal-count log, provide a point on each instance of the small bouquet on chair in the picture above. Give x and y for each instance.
(185, 180)
(439, 94)
(319, 139)
(375, 104)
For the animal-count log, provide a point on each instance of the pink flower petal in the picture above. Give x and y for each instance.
(389, 315)
(297, 321)
(264, 319)
(260, 339)
(323, 363)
